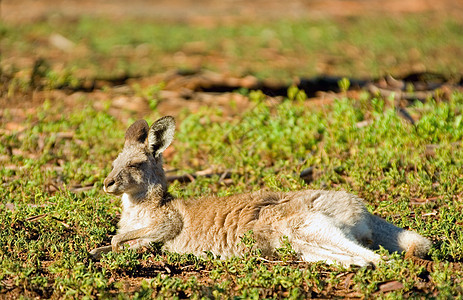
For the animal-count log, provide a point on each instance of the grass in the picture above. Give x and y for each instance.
(45, 234)
(55, 158)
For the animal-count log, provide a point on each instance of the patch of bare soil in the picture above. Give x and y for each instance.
(191, 91)
(211, 11)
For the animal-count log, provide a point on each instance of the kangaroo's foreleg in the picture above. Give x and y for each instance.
(119, 239)
(96, 253)
(162, 231)
(145, 232)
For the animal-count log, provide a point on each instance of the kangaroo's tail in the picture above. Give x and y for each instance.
(396, 239)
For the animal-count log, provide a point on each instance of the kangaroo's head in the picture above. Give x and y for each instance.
(137, 171)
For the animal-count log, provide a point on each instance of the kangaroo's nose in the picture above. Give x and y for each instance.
(108, 182)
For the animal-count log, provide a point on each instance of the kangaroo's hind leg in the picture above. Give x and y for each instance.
(327, 254)
(318, 238)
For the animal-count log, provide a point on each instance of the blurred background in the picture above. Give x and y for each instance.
(189, 10)
(179, 47)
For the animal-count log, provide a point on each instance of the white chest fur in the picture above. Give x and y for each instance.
(133, 216)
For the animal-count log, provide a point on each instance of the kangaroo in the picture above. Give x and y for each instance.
(329, 226)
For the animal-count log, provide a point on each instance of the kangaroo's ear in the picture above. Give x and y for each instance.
(160, 135)
(137, 132)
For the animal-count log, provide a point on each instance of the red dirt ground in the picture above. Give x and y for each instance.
(18, 11)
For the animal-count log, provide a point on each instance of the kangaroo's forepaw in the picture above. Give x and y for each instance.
(97, 252)
(115, 244)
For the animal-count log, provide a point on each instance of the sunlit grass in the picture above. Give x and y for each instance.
(385, 162)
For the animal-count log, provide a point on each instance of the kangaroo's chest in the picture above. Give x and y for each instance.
(133, 216)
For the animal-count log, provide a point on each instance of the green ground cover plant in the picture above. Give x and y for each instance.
(46, 235)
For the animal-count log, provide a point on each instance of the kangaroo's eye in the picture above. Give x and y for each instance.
(135, 165)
